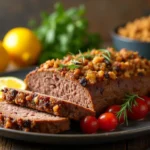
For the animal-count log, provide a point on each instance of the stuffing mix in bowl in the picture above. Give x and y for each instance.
(139, 29)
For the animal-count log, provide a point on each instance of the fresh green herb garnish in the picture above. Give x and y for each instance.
(106, 54)
(64, 31)
(106, 51)
(81, 56)
(76, 62)
(88, 55)
(130, 100)
(85, 56)
(70, 67)
(73, 66)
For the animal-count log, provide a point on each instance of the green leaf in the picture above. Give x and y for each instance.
(59, 7)
(64, 31)
(81, 10)
(70, 28)
(44, 15)
(50, 36)
(73, 66)
(70, 67)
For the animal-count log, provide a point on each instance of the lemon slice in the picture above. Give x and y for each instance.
(11, 82)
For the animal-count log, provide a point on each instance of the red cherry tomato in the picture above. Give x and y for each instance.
(147, 100)
(107, 121)
(114, 109)
(89, 124)
(139, 110)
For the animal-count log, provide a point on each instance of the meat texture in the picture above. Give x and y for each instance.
(19, 118)
(45, 103)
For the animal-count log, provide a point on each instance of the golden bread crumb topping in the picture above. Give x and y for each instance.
(100, 64)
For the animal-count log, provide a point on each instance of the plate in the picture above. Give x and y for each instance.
(74, 136)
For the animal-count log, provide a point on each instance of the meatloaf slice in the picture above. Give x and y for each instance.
(19, 118)
(95, 79)
(45, 103)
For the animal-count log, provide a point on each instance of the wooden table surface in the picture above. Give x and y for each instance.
(139, 143)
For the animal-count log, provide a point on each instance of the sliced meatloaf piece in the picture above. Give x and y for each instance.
(19, 118)
(95, 79)
(45, 103)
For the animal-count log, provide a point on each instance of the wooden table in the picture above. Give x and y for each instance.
(140, 143)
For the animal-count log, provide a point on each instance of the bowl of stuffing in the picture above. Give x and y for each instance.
(134, 35)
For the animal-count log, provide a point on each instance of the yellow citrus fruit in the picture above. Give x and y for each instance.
(22, 46)
(4, 58)
(11, 82)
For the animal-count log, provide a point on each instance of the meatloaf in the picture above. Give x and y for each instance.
(94, 79)
(45, 103)
(19, 118)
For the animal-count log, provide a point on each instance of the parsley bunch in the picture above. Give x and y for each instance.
(64, 31)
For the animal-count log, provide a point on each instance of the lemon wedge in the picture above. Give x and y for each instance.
(11, 82)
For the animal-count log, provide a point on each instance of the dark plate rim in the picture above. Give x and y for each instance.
(113, 133)
(70, 139)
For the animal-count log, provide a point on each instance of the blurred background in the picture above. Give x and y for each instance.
(102, 15)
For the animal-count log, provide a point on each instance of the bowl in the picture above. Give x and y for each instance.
(120, 42)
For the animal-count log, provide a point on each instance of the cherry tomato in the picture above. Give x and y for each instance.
(89, 124)
(107, 121)
(147, 100)
(138, 110)
(114, 109)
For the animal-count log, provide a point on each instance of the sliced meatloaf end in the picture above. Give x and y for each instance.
(45, 103)
(53, 83)
(19, 118)
(97, 83)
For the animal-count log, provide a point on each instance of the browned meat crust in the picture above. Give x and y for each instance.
(15, 117)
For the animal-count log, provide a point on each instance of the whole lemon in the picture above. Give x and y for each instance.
(22, 46)
(4, 58)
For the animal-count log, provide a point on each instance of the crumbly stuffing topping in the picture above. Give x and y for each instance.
(139, 29)
(103, 64)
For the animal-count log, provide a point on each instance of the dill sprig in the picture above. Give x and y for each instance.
(130, 100)
(106, 54)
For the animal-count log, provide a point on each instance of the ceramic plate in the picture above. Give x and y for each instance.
(74, 136)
